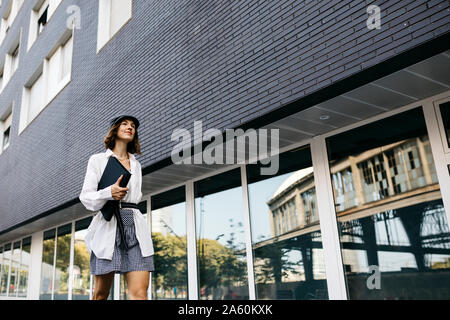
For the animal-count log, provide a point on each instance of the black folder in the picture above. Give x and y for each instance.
(113, 170)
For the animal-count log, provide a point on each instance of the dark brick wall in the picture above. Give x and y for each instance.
(222, 62)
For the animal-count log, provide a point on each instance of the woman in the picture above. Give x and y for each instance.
(103, 238)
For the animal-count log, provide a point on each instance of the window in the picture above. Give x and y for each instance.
(11, 61)
(344, 189)
(81, 285)
(48, 253)
(58, 67)
(14, 276)
(48, 80)
(6, 138)
(14, 268)
(14, 60)
(42, 21)
(4, 281)
(170, 280)
(55, 267)
(286, 237)
(24, 270)
(5, 126)
(1, 78)
(40, 16)
(399, 223)
(221, 250)
(61, 280)
(445, 114)
(36, 98)
(9, 16)
(113, 15)
(66, 60)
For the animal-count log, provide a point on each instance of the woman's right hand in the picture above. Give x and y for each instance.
(116, 191)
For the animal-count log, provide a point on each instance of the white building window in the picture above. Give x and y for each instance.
(48, 80)
(40, 15)
(58, 68)
(5, 130)
(8, 17)
(11, 61)
(1, 78)
(36, 92)
(112, 16)
(15, 59)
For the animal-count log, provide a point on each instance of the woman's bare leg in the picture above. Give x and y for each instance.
(137, 282)
(102, 286)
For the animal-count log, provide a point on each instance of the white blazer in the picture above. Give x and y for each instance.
(101, 234)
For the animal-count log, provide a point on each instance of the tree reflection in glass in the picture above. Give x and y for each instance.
(170, 278)
(61, 290)
(81, 267)
(221, 253)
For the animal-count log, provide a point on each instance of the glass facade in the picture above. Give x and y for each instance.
(168, 221)
(5, 269)
(81, 268)
(24, 269)
(14, 268)
(392, 222)
(286, 238)
(221, 250)
(14, 276)
(61, 284)
(48, 256)
(392, 226)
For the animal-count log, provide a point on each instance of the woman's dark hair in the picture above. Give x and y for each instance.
(110, 140)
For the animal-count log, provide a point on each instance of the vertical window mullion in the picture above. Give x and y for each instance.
(248, 236)
(8, 279)
(328, 222)
(71, 261)
(191, 242)
(19, 264)
(149, 221)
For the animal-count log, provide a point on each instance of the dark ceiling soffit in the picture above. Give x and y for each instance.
(42, 215)
(403, 60)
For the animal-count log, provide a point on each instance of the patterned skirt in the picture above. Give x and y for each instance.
(123, 261)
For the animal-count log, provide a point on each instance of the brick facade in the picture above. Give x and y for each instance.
(225, 63)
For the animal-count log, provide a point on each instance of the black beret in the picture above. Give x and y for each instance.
(122, 117)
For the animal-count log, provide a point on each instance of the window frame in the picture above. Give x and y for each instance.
(104, 34)
(51, 7)
(6, 124)
(50, 91)
(8, 295)
(8, 18)
(437, 108)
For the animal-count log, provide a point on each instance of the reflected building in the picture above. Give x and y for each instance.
(371, 190)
